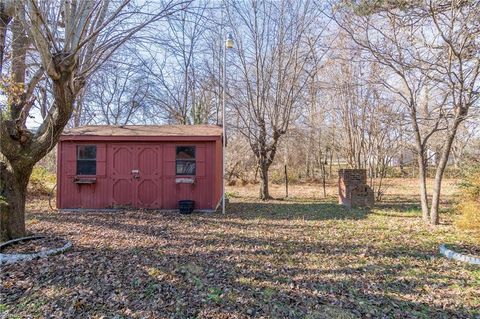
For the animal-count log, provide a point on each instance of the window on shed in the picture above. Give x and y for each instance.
(185, 160)
(86, 159)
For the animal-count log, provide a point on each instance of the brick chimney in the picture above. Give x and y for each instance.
(353, 190)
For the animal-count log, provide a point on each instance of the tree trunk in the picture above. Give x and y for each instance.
(264, 192)
(422, 165)
(13, 190)
(434, 218)
(422, 179)
(16, 167)
(442, 163)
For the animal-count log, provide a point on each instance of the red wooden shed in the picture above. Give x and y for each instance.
(150, 166)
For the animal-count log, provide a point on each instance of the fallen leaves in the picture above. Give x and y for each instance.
(281, 259)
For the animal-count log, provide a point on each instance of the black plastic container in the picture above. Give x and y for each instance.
(186, 206)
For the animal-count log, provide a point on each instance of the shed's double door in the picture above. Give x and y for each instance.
(135, 173)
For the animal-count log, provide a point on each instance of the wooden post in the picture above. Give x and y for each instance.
(324, 186)
(324, 172)
(286, 181)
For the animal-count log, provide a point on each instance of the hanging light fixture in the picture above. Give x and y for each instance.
(229, 41)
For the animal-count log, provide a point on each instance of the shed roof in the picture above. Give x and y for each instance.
(145, 130)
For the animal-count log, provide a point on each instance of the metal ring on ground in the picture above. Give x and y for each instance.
(450, 254)
(6, 259)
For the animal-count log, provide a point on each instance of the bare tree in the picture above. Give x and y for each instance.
(66, 42)
(434, 59)
(183, 87)
(271, 62)
(116, 94)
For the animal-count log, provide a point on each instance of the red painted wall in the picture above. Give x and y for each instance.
(155, 187)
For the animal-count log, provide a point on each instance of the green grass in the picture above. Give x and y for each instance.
(215, 294)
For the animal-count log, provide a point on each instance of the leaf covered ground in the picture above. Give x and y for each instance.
(299, 258)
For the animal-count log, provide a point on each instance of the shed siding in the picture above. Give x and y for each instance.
(155, 186)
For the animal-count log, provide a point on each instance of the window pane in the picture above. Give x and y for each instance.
(86, 152)
(185, 152)
(185, 167)
(86, 167)
(86, 159)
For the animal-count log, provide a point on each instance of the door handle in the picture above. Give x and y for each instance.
(136, 173)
